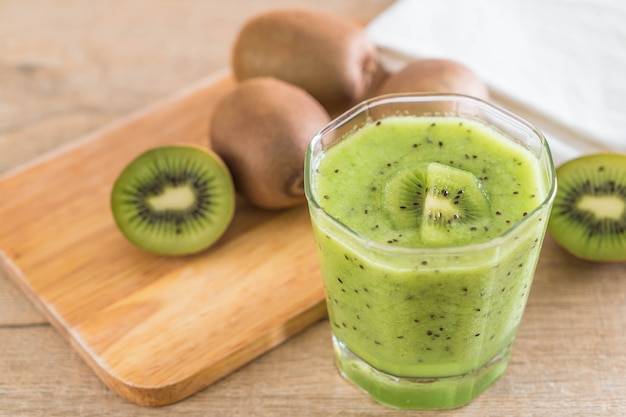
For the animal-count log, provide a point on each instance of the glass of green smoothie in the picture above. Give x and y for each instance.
(429, 213)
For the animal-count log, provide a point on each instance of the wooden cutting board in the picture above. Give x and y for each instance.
(155, 329)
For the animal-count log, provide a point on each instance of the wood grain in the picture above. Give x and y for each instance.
(155, 329)
(67, 68)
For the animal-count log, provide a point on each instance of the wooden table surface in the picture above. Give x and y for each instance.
(68, 67)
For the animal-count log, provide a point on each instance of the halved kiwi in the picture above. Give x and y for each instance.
(174, 200)
(447, 204)
(589, 213)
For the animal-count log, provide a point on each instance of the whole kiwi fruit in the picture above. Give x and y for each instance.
(174, 199)
(261, 129)
(330, 57)
(435, 76)
(588, 217)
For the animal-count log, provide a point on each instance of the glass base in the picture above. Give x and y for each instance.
(419, 393)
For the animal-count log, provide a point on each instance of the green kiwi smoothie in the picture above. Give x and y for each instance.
(428, 232)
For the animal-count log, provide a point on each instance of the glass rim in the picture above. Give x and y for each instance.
(395, 98)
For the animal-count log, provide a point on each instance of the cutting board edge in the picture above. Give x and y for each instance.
(193, 383)
(166, 100)
(155, 396)
(189, 383)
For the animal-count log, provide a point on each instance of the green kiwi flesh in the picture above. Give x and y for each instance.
(588, 217)
(174, 200)
(446, 203)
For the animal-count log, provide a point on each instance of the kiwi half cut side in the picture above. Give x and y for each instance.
(174, 200)
(588, 217)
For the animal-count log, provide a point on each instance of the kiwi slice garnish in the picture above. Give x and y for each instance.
(174, 200)
(588, 217)
(404, 197)
(447, 204)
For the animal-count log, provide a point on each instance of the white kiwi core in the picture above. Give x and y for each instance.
(435, 208)
(173, 198)
(603, 207)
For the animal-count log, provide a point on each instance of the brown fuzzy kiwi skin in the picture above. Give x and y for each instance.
(329, 56)
(435, 76)
(261, 130)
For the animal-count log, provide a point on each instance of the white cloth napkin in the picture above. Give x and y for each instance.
(561, 64)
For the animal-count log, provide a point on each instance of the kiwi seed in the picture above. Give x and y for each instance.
(589, 214)
(174, 200)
